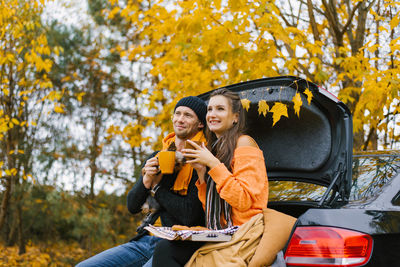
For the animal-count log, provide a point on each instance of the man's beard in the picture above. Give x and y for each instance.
(184, 135)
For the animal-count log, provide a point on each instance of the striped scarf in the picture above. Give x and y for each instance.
(216, 206)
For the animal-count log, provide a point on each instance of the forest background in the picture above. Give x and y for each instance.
(83, 104)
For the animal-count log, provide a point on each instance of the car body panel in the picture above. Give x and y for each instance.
(372, 222)
(383, 226)
(378, 216)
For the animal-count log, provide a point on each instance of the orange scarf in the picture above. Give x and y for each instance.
(185, 174)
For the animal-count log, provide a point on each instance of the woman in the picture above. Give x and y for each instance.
(232, 184)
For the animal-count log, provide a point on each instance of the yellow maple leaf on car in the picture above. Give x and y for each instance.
(245, 103)
(263, 107)
(297, 104)
(309, 95)
(278, 110)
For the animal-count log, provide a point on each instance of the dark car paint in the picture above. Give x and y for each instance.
(382, 225)
(373, 222)
(377, 216)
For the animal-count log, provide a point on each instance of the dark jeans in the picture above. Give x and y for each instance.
(174, 253)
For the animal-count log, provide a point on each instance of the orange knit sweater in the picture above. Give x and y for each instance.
(245, 188)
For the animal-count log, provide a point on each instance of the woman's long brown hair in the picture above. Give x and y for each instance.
(224, 146)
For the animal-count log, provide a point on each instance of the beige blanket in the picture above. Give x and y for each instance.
(255, 244)
(236, 252)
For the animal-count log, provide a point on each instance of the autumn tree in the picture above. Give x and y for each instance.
(25, 98)
(350, 47)
(97, 128)
(129, 120)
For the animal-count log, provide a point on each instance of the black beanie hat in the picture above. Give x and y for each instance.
(196, 104)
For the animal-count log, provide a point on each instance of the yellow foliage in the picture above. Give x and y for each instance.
(54, 95)
(132, 134)
(395, 21)
(113, 12)
(79, 96)
(57, 254)
(15, 121)
(210, 44)
(25, 55)
(11, 172)
(59, 108)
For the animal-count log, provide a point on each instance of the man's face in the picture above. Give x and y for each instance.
(186, 123)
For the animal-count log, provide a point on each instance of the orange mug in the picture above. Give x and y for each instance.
(189, 146)
(166, 161)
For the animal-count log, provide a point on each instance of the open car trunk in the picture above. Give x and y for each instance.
(312, 148)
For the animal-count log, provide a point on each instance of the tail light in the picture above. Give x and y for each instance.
(328, 246)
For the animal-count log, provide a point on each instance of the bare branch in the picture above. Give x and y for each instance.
(312, 21)
(350, 18)
(331, 16)
(360, 31)
(286, 21)
(298, 14)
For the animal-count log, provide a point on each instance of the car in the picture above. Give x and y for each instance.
(347, 206)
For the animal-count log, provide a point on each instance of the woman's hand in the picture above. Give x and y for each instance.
(201, 171)
(200, 155)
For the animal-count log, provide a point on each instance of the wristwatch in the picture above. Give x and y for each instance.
(154, 190)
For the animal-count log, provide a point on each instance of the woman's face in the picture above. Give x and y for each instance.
(220, 117)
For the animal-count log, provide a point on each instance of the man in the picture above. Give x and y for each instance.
(176, 194)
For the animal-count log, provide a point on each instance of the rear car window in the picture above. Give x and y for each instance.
(396, 199)
(370, 173)
(295, 191)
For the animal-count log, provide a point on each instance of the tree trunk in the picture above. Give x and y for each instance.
(9, 179)
(21, 239)
(94, 151)
(5, 201)
(11, 234)
(337, 30)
